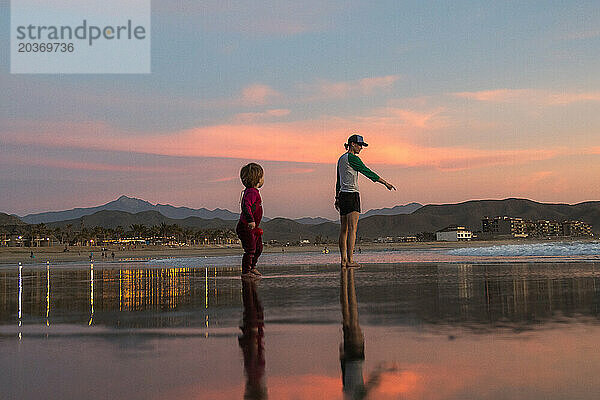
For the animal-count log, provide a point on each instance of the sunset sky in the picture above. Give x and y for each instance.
(458, 100)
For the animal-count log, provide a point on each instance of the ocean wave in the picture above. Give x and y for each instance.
(554, 249)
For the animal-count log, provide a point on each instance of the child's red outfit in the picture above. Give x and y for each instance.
(251, 238)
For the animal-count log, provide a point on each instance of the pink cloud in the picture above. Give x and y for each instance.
(226, 179)
(68, 99)
(343, 89)
(530, 96)
(257, 94)
(257, 116)
(313, 141)
(368, 85)
(254, 94)
(46, 162)
(296, 171)
(397, 117)
(454, 159)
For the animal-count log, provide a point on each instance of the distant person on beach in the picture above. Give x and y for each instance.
(252, 176)
(347, 198)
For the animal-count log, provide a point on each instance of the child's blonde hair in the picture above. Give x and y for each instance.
(250, 174)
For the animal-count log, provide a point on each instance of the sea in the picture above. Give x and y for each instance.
(511, 321)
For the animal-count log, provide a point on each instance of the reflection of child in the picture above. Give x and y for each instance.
(252, 176)
(252, 343)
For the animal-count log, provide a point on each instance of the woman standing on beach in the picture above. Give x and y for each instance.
(347, 198)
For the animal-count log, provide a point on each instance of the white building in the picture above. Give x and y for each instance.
(453, 233)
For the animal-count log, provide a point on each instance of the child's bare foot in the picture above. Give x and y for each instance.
(255, 272)
(352, 264)
(343, 263)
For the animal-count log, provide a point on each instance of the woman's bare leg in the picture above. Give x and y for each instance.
(343, 240)
(352, 223)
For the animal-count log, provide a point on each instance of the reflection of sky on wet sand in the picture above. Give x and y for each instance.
(517, 331)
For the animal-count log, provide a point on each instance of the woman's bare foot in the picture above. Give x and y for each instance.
(352, 264)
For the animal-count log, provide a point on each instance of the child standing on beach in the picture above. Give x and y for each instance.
(252, 176)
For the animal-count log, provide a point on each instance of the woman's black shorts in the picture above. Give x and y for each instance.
(348, 202)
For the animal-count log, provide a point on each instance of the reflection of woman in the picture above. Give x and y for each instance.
(251, 342)
(347, 199)
(352, 349)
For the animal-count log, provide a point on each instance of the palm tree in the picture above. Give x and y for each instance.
(37, 233)
(199, 236)
(69, 229)
(83, 236)
(163, 229)
(138, 230)
(4, 234)
(188, 235)
(58, 233)
(98, 232)
(119, 232)
(177, 231)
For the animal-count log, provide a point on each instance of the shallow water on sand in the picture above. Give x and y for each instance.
(385, 331)
(572, 251)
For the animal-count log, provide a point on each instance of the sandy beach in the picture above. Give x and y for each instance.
(55, 254)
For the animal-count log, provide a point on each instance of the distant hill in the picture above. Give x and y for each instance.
(405, 209)
(313, 220)
(431, 218)
(133, 206)
(469, 213)
(428, 218)
(112, 219)
(401, 225)
(6, 219)
(283, 229)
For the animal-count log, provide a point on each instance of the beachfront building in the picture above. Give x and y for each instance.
(518, 227)
(453, 233)
(504, 226)
(545, 228)
(576, 228)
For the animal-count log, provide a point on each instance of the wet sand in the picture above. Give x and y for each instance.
(438, 332)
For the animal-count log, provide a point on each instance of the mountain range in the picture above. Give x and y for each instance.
(429, 218)
(281, 229)
(405, 209)
(313, 220)
(7, 219)
(133, 205)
